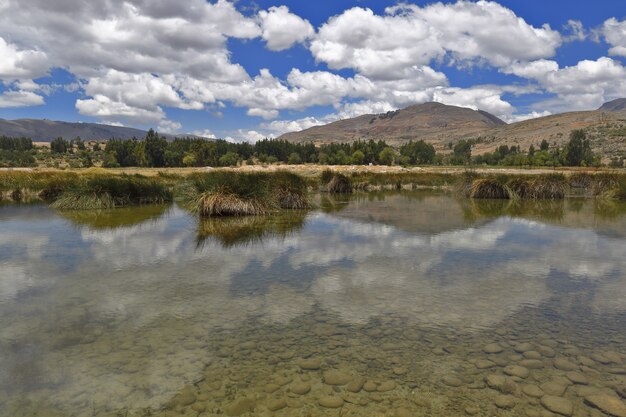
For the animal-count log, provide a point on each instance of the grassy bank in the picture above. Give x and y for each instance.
(235, 192)
(88, 190)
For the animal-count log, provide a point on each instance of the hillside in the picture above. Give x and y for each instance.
(434, 122)
(47, 130)
(441, 124)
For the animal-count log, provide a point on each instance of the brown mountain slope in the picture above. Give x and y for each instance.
(606, 131)
(441, 125)
(434, 122)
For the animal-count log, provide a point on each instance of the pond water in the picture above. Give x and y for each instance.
(397, 304)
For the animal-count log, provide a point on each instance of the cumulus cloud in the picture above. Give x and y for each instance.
(281, 29)
(205, 133)
(20, 99)
(574, 31)
(384, 46)
(614, 32)
(19, 63)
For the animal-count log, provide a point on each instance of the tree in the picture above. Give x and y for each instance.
(154, 148)
(387, 156)
(229, 159)
(544, 145)
(358, 157)
(462, 152)
(294, 159)
(59, 145)
(578, 150)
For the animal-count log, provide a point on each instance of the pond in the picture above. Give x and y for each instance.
(390, 304)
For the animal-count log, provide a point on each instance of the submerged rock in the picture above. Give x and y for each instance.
(331, 401)
(557, 405)
(240, 406)
(334, 377)
(505, 402)
(565, 365)
(608, 404)
(516, 370)
(493, 348)
(451, 381)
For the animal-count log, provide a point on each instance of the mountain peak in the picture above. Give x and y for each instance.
(618, 105)
(420, 121)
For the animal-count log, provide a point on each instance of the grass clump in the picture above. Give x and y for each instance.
(230, 193)
(535, 187)
(335, 183)
(489, 188)
(108, 191)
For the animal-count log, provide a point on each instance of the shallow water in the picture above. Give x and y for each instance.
(397, 304)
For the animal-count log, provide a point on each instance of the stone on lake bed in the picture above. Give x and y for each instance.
(484, 364)
(532, 391)
(505, 402)
(310, 364)
(516, 370)
(334, 377)
(531, 363)
(565, 365)
(608, 404)
(276, 404)
(331, 401)
(501, 383)
(554, 388)
(370, 386)
(400, 370)
(355, 385)
(301, 388)
(493, 348)
(386, 386)
(522, 347)
(558, 405)
(240, 406)
(577, 378)
(532, 354)
(271, 388)
(451, 381)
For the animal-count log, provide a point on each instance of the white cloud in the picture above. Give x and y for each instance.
(575, 31)
(614, 32)
(169, 126)
(266, 114)
(20, 64)
(108, 110)
(527, 116)
(407, 35)
(281, 29)
(205, 133)
(20, 98)
(250, 136)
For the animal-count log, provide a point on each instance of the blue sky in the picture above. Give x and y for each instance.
(258, 68)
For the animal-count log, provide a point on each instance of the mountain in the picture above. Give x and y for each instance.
(47, 130)
(440, 125)
(618, 105)
(433, 122)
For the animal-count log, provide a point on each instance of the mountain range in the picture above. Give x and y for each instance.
(43, 130)
(435, 123)
(440, 125)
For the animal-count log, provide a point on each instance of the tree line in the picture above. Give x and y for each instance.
(155, 151)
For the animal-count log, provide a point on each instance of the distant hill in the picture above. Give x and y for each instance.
(47, 130)
(440, 125)
(618, 105)
(429, 121)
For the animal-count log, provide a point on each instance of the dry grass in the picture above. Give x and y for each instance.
(224, 203)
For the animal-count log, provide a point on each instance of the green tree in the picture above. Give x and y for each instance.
(59, 145)
(358, 157)
(229, 159)
(578, 150)
(544, 145)
(294, 159)
(154, 148)
(387, 156)
(462, 152)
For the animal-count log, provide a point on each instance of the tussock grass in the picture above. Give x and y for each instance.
(537, 187)
(231, 193)
(335, 183)
(490, 188)
(114, 218)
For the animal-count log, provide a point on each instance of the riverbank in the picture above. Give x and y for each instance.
(260, 189)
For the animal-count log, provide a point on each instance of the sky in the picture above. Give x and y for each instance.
(248, 69)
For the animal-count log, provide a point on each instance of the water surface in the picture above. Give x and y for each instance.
(396, 304)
